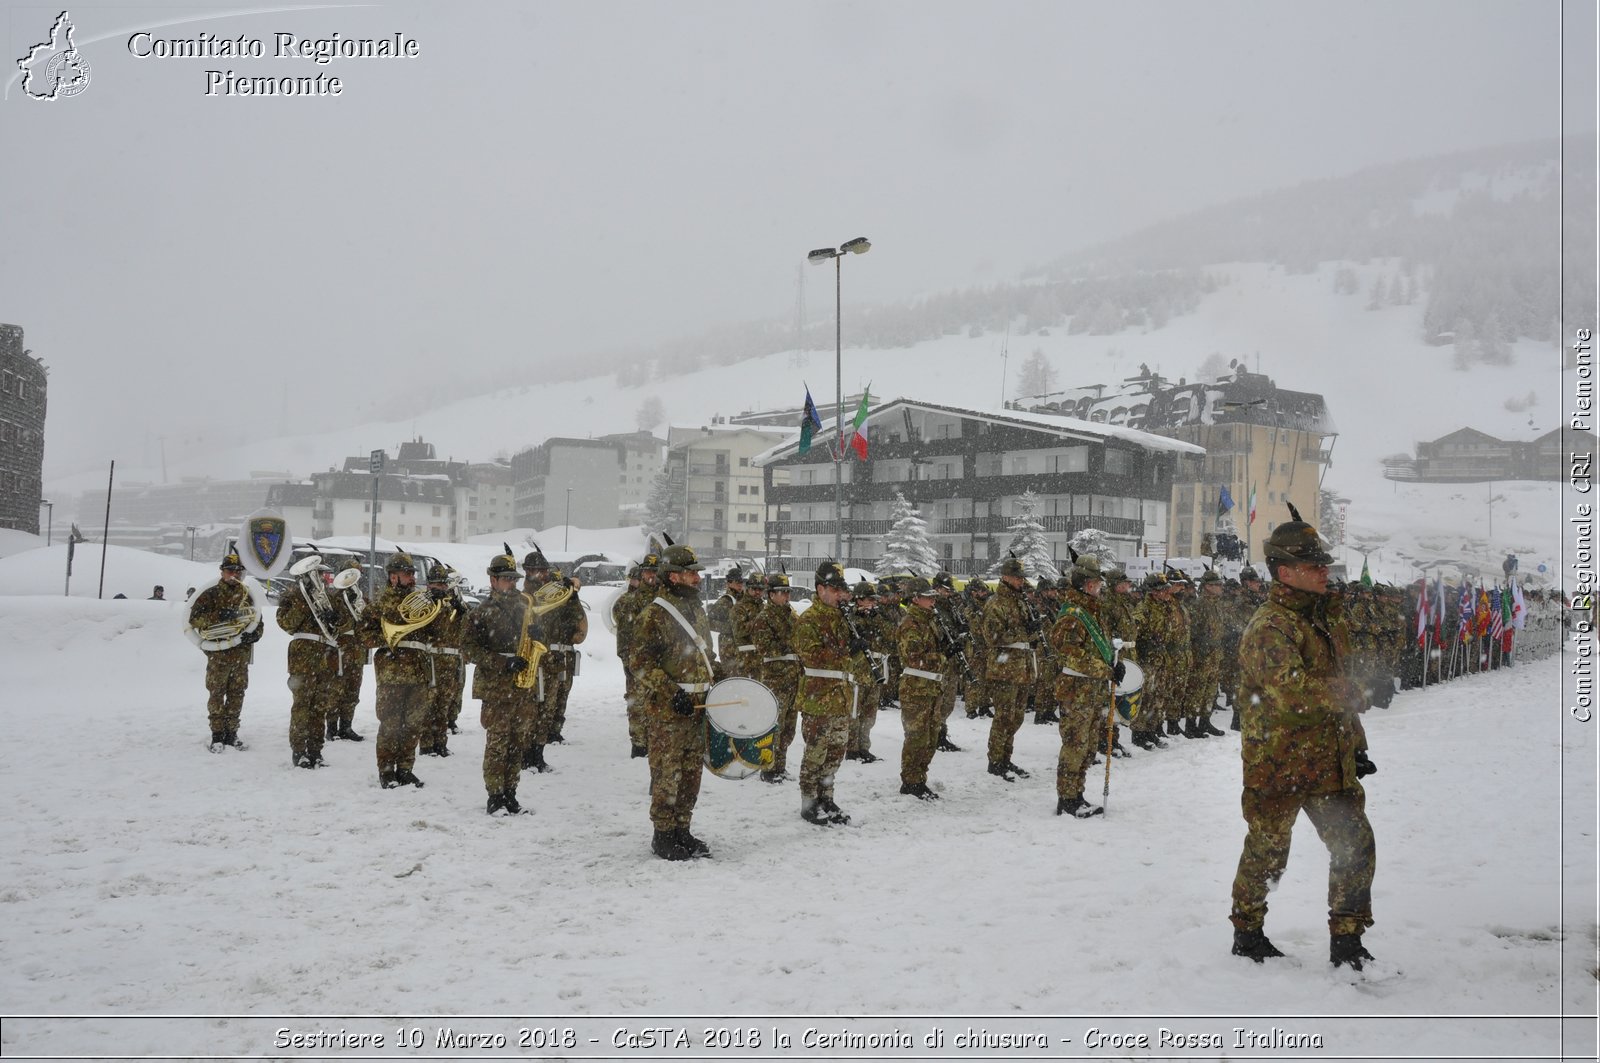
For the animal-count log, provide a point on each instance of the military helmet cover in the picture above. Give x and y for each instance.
(400, 562)
(231, 563)
(1296, 543)
(776, 581)
(679, 558)
(829, 574)
(1011, 566)
(918, 587)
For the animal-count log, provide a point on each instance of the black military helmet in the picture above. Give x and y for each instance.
(535, 559)
(1249, 573)
(917, 587)
(503, 565)
(777, 581)
(829, 574)
(231, 563)
(1011, 566)
(1295, 542)
(400, 561)
(864, 589)
(677, 558)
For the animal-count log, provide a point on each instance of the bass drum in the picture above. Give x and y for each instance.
(741, 727)
(1129, 692)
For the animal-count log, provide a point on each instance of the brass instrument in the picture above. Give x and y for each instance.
(417, 611)
(344, 583)
(224, 634)
(552, 595)
(308, 575)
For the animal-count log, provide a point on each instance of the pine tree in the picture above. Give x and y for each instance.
(663, 510)
(906, 547)
(1092, 542)
(1028, 541)
(1035, 377)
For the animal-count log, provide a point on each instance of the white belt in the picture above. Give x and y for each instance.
(408, 644)
(309, 637)
(829, 673)
(875, 655)
(561, 646)
(786, 657)
(920, 674)
(1018, 645)
(746, 649)
(694, 688)
(1068, 671)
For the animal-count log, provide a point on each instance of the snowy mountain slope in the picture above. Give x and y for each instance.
(1385, 387)
(146, 876)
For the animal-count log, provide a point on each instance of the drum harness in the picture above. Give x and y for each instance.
(699, 644)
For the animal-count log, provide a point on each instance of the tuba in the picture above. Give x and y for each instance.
(552, 595)
(226, 634)
(308, 574)
(417, 611)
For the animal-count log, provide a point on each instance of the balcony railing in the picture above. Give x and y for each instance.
(993, 525)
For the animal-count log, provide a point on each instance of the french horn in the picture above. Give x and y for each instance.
(417, 611)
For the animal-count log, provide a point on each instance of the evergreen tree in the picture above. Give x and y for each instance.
(651, 412)
(906, 547)
(1035, 377)
(1094, 542)
(1028, 541)
(663, 510)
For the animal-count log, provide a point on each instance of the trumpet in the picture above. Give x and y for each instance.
(552, 595)
(417, 611)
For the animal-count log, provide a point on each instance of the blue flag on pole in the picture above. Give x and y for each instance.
(809, 423)
(1224, 501)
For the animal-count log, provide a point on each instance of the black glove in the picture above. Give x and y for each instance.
(227, 614)
(1118, 671)
(858, 645)
(682, 703)
(1364, 765)
(329, 617)
(517, 665)
(251, 637)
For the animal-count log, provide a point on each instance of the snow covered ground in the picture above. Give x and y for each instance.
(145, 876)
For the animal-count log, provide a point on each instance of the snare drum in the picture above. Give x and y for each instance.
(741, 727)
(1129, 691)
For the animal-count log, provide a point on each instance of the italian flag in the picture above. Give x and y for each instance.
(1252, 503)
(858, 438)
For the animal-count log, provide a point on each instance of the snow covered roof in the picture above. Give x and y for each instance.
(1056, 424)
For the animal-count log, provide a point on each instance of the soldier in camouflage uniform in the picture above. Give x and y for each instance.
(402, 679)
(546, 629)
(1251, 596)
(228, 666)
(491, 638)
(1046, 606)
(349, 604)
(923, 669)
(1086, 671)
(978, 700)
(624, 611)
(1298, 710)
(447, 675)
(772, 632)
(893, 609)
(951, 628)
(862, 614)
(670, 657)
(568, 626)
(1164, 655)
(1011, 668)
(828, 693)
(1208, 618)
(313, 667)
(746, 658)
(720, 613)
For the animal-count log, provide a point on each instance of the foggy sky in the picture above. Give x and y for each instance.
(549, 179)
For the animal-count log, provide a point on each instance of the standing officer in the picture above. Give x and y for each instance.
(491, 637)
(624, 613)
(566, 627)
(1011, 666)
(772, 631)
(227, 657)
(828, 693)
(745, 656)
(1087, 670)
(402, 672)
(720, 613)
(350, 606)
(1298, 712)
(863, 617)
(1208, 618)
(313, 665)
(922, 672)
(446, 675)
(670, 657)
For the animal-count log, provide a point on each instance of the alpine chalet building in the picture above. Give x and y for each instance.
(964, 470)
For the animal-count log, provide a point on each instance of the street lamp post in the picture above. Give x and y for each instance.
(566, 535)
(191, 529)
(859, 246)
(49, 518)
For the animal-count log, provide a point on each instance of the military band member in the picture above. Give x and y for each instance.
(950, 629)
(670, 657)
(402, 673)
(922, 672)
(349, 604)
(772, 632)
(566, 627)
(490, 640)
(1299, 746)
(868, 665)
(313, 661)
(1011, 668)
(742, 615)
(1087, 671)
(1208, 618)
(228, 664)
(541, 696)
(624, 612)
(448, 675)
(828, 693)
(720, 613)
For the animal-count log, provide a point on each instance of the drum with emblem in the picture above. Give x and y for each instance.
(1129, 691)
(741, 727)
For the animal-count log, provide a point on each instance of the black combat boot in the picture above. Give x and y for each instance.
(835, 813)
(635, 752)
(496, 803)
(852, 755)
(216, 741)
(441, 750)
(538, 760)
(348, 733)
(405, 778)
(333, 730)
(304, 760)
(1253, 945)
(1173, 729)
(1011, 766)
(1364, 765)
(972, 714)
(999, 768)
(1077, 808)
(774, 775)
(1233, 724)
(1188, 728)
(698, 849)
(1156, 740)
(986, 711)
(665, 844)
(811, 811)
(387, 779)
(919, 790)
(509, 802)
(867, 758)
(945, 745)
(1346, 950)
(1210, 729)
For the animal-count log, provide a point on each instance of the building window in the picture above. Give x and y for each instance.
(435, 531)
(739, 545)
(366, 527)
(1019, 465)
(743, 489)
(716, 542)
(366, 507)
(400, 529)
(744, 463)
(755, 489)
(436, 513)
(1119, 462)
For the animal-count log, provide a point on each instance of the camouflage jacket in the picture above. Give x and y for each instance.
(1117, 621)
(209, 603)
(917, 641)
(565, 625)
(720, 614)
(1296, 707)
(1006, 632)
(315, 653)
(404, 665)
(662, 656)
(877, 627)
(444, 634)
(1163, 634)
(490, 637)
(1074, 647)
(772, 629)
(741, 621)
(822, 639)
(1207, 618)
(624, 611)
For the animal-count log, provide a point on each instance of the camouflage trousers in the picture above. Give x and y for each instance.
(1204, 680)
(677, 757)
(866, 716)
(444, 705)
(783, 679)
(401, 709)
(559, 695)
(1044, 688)
(1084, 703)
(227, 675)
(542, 696)
(1010, 705)
(918, 704)
(347, 688)
(502, 755)
(947, 695)
(315, 693)
(1180, 689)
(1341, 822)
(638, 730)
(826, 740)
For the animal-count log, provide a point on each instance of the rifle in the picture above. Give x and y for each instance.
(953, 648)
